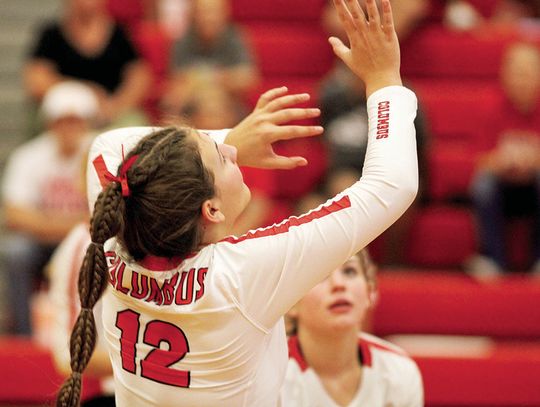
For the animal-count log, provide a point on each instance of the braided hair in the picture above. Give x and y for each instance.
(168, 183)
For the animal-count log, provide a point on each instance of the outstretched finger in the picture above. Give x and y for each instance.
(292, 132)
(388, 18)
(288, 115)
(283, 102)
(346, 19)
(280, 162)
(357, 13)
(373, 14)
(270, 95)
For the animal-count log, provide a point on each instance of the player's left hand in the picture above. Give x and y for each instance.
(253, 136)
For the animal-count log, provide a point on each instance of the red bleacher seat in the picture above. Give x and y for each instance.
(128, 13)
(294, 184)
(457, 113)
(279, 10)
(509, 376)
(295, 84)
(28, 376)
(457, 110)
(438, 53)
(154, 46)
(433, 302)
(285, 49)
(451, 169)
(441, 236)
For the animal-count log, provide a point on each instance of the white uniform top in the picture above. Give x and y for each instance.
(389, 378)
(208, 330)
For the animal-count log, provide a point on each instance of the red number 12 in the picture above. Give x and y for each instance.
(156, 365)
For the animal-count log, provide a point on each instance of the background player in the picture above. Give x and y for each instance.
(331, 363)
(193, 314)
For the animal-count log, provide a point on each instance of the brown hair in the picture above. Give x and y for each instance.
(168, 184)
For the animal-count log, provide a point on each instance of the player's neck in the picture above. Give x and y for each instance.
(330, 355)
(335, 360)
(213, 233)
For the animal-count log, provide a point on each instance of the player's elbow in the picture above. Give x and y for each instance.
(407, 187)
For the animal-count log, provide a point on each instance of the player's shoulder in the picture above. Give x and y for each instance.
(376, 350)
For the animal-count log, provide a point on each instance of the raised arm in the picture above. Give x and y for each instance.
(281, 263)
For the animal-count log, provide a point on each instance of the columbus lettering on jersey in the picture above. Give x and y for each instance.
(184, 287)
(383, 119)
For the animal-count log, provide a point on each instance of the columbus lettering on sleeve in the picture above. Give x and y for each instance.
(383, 119)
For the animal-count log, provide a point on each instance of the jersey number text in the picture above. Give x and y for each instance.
(156, 365)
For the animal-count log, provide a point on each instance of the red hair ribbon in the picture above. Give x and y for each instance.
(121, 178)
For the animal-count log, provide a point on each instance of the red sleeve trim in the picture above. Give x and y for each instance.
(284, 226)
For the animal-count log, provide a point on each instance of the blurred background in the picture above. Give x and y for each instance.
(459, 286)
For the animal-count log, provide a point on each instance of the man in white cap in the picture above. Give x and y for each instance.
(42, 192)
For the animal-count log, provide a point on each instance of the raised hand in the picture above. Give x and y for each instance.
(253, 136)
(374, 48)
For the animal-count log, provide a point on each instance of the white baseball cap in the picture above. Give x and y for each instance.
(69, 98)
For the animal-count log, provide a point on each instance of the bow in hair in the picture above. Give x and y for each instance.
(121, 178)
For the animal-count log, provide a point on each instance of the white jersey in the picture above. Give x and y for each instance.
(208, 330)
(389, 378)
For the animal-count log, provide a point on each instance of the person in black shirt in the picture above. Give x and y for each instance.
(87, 45)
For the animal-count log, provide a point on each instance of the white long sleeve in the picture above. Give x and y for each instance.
(276, 266)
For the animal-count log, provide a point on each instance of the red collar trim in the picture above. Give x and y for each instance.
(155, 263)
(295, 352)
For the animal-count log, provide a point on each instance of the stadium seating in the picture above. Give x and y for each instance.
(28, 375)
(446, 302)
(277, 10)
(439, 53)
(507, 374)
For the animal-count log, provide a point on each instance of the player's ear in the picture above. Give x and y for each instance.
(210, 211)
(373, 295)
(293, 312)
(291, 320)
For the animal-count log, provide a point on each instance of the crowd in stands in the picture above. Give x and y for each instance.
(475, 65)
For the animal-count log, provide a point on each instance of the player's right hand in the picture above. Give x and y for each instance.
(374, 48)
(270, 122)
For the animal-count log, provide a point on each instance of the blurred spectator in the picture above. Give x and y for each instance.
(333, 363)
(344, 117)
(87, 45)
(42, 193)
(507, 183)
(465, 15)
(212, 107)
(212, 51)
(63, 274)
(514, 10)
